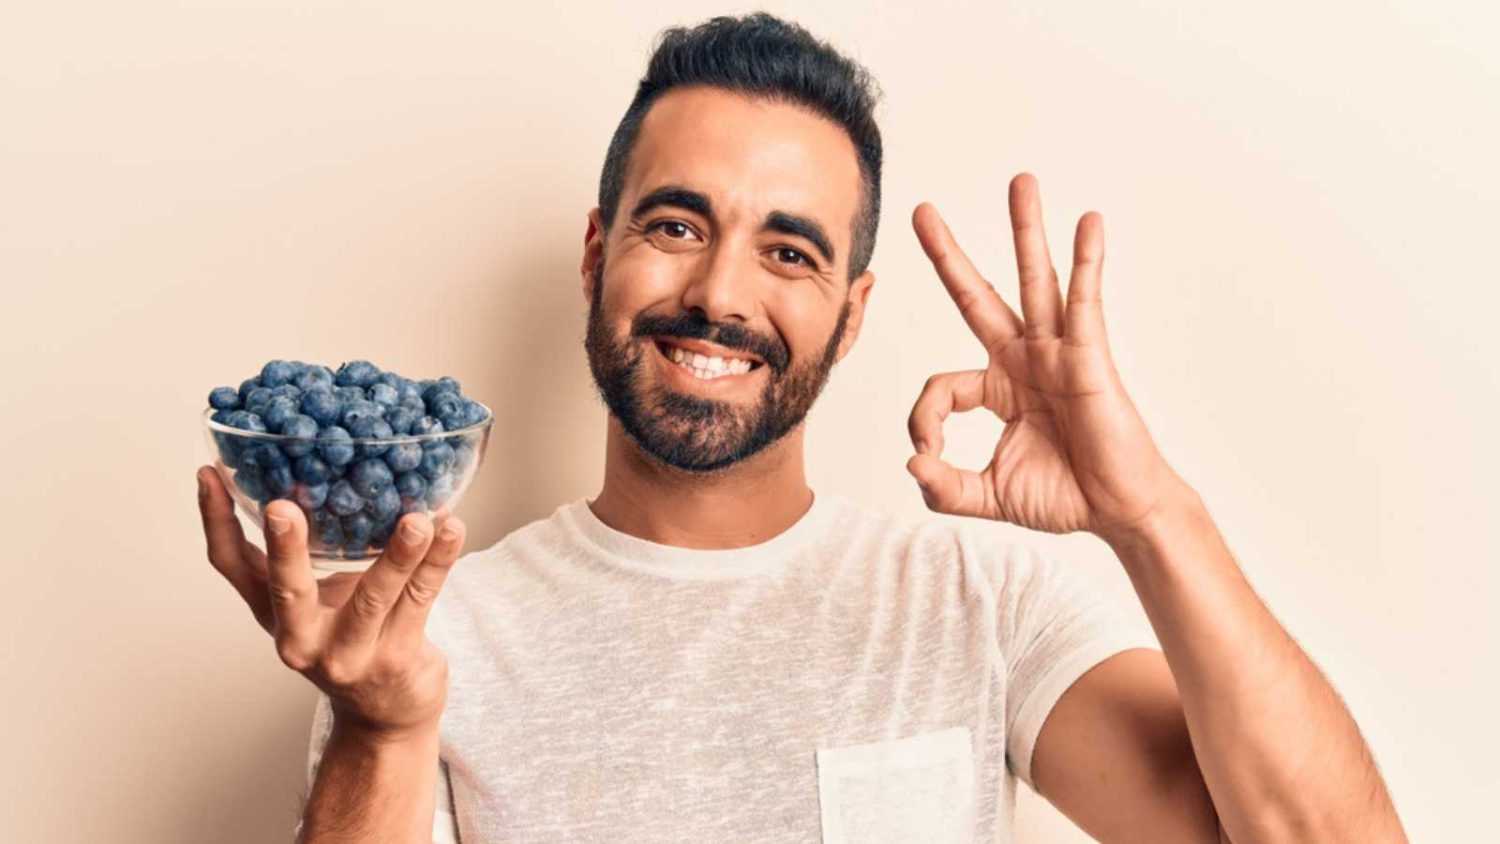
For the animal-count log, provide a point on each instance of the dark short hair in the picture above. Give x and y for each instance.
(765, 57)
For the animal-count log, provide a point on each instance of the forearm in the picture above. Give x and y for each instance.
(371, 789)
(1281, 756)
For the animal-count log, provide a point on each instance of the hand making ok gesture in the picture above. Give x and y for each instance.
(1075, 454)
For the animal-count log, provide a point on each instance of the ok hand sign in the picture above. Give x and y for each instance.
(1075, 454)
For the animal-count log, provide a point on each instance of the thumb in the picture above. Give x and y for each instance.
(947, 488)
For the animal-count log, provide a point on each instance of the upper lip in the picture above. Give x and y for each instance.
(707, 349)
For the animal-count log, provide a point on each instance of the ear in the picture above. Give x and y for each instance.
(859, 294)
(593, 252)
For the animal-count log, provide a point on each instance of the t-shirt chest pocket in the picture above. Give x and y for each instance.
(917, 788)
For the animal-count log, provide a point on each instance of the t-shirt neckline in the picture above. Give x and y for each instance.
(675, 562)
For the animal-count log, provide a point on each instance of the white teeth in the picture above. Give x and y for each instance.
(707, 367)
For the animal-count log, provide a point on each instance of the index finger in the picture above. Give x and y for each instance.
(294, 590)
(991, 320)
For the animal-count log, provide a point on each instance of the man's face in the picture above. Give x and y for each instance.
(745, 198)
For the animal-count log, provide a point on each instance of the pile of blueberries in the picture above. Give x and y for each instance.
(352, 490)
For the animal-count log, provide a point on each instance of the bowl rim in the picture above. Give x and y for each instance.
(219, 427)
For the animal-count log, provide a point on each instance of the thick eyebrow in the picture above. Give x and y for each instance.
(698, 203)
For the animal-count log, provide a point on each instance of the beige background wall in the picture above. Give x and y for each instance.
(1300, 207)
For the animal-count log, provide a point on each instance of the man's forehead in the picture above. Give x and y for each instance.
(749, 156)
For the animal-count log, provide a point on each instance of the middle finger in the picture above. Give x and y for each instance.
(1041, 300)
(359, 621)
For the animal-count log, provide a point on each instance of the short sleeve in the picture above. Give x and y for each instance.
(444, 825)
(1054, 621)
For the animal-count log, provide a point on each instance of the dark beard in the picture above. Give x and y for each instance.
(689, 432)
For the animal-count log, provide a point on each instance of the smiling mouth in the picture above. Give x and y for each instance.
(705, 367)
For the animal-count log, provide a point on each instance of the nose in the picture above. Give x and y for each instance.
(721, 288)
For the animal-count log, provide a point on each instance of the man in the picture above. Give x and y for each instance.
(709, 651)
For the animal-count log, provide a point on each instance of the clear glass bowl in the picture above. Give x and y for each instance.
(350, 513)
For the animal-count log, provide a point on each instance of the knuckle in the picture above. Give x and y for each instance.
(366, 604)
(388, 665)
(283, 595)
(293, 654)
(339, 672)
(421, 593)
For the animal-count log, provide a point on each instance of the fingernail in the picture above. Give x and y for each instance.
(410, 535)
(278, 524)
(450, 533)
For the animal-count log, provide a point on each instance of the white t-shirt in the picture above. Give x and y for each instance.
(857, 678)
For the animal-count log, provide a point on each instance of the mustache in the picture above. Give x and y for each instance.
(729, 335)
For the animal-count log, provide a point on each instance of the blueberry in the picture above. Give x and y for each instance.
(349, 394)
(437, 458)
(384, 394)
(414, 505)
(264, 456)
(279, 480)
(313, 378)
(401, 419)
(357, 530)
(343, 500)
(310, 496)
(382, 533)
(327, 529)
(441, 385)
(390, 379)
(311, 469)
(440, 400)
(357, 409)
(473, 413)
(245, 421)
(359, 373)
(258, 399)
(276, 373)
(384, 504)
(440, 491)
(453, 421)
(322, 405)
(249, 483)
(409, 392)
(334, 445)
(427, 425)
(305, 428)
(278, 412)
(369, 427)
(246, 386)
(224, 398)
(370, 476)
(411, 485)
(404, 457)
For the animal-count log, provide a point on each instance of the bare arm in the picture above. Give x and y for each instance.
(361, 640)
(1280, 754)
(371, 787)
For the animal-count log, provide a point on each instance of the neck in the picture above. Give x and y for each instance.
(744, 504)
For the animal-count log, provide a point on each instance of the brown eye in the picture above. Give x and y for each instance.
(672, 223)
(797, 257)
